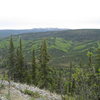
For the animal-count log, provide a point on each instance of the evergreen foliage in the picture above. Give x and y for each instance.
(34, 68)
(97, 60)
(44, 69)
(80, 81)
(20, 66)
(11, 59)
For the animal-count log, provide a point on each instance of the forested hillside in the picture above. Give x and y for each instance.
(63, 62)
(63, 45)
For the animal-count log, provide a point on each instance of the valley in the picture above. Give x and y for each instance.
(51, 65)
(63, 46)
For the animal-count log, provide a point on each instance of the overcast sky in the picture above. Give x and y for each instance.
(21, 14)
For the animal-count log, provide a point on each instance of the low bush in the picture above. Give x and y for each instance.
(31, 93)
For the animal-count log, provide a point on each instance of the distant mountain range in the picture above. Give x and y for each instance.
(6, 33)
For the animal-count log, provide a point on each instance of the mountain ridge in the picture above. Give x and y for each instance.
(7, 32)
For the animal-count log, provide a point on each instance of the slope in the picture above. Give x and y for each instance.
(20, 91)
(63, 46)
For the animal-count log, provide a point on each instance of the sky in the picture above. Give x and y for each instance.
(27, 14)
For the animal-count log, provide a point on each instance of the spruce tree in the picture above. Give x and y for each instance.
(20, 63)
(17, 72)
(44, 58)
(33, 67)
(90, 54)
(70, 77)
(97, 58)
(11, 59)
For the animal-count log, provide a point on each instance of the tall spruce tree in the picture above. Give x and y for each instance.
(89, 54)
(70, 78)
(17, 71)
(44, 58)
(97, 60)
(33, 68)
(20, 63)
(11, 59)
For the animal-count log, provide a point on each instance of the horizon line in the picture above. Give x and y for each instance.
(44, 28)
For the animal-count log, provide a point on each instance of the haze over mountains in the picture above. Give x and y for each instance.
(7, 32)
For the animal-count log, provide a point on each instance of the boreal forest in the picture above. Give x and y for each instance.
(65, 63)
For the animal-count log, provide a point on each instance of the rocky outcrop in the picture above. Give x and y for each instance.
(18, 87)
(3, 98)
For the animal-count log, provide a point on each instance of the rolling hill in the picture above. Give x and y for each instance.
(63, 46)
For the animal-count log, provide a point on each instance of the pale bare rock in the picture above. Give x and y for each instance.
(18, 87)
(14, 94)
(3, 98)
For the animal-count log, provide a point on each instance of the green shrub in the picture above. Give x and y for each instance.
(31, 93)
(1, 86)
